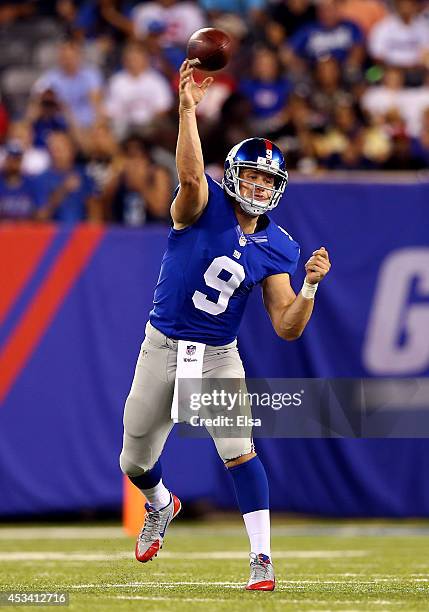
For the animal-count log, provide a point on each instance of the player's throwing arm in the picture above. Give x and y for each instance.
(192, 196)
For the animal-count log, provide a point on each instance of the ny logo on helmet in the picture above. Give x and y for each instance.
(257, 154)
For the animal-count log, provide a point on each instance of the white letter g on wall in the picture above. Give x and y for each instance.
(393, 316)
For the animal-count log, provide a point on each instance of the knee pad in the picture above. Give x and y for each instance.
(233, 448)
(130, 468)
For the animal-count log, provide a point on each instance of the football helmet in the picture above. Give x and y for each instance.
(259, 154)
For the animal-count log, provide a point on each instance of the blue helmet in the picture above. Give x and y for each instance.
(262, 155)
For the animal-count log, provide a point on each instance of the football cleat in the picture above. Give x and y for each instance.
(151, 537)
(261, 573)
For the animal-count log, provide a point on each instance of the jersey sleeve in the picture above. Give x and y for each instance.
(216, 202)
(284, 253)
(214, 214)
(217, 208)
(214, 188)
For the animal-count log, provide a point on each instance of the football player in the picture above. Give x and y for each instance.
(221, 245)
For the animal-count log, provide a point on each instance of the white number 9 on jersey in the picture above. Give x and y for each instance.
(226, 288)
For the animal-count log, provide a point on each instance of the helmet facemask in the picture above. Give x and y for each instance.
(253, 206)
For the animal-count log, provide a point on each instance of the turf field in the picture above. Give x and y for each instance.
(203, 566)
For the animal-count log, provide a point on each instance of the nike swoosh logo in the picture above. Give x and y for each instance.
(161, 533)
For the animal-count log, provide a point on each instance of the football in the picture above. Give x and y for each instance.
(209, 49)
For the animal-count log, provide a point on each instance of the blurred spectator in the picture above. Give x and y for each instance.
(394, 124)
(250, 11)
(138, 94)
(11, 11)
(210, 107)
(65, 192)
(4, 121)
(267, 89)
(401, 157)
(235, 119)
(242, 37)
(329, 144)
(329, 35)
(98, 148)
(17, 193)
(163, 57)
(420, 144)
(274, 36)
(35, 160)
(328, 91)
(105, 19)
(350, 158)
(293, 14)
(401, 38)
(376, 144)
(138, 190)
(295, 134)
(76, 85)
(410, 102)
(343, 143)
(365, 13)
(297, 66)
(346, 121)
(181, 19)
(105, 25)
(45, 115)
(65, 12)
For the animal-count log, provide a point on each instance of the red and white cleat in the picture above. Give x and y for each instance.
(151, 537)
(261, 573)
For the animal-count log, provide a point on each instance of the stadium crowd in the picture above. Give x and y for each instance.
(88, 110)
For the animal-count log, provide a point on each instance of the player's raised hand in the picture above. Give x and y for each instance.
(318, 266)
(190, 92)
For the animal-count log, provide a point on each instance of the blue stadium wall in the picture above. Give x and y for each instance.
(73, 306)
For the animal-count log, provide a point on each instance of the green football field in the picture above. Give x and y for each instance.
(322, 566)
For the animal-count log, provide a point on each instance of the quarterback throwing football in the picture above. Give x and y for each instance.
(221, 245)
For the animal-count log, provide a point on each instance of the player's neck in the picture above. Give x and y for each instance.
(246, 222)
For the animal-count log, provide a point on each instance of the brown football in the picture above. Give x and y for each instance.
(209, 49)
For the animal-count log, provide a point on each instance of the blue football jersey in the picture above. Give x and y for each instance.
(209, 270)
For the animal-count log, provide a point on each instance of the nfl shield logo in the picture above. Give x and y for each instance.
(190, 349)
(242, 240)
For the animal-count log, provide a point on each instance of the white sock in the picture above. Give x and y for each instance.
(258, 529)
(158, 496)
